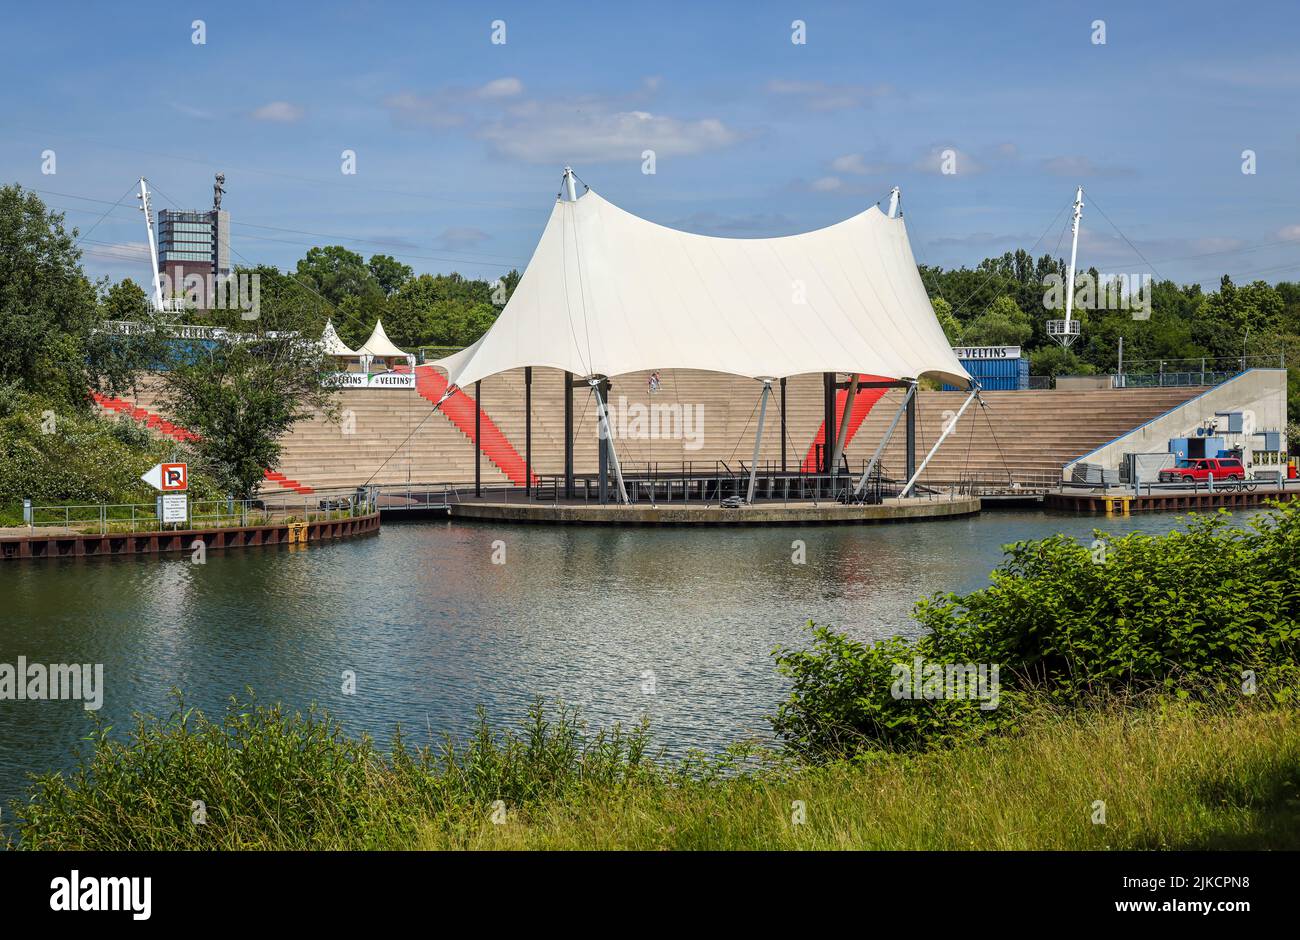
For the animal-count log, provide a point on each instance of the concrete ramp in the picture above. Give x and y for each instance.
(1260, 394)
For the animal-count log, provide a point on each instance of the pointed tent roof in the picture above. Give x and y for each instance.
(607, 293)
(379, 344)
(334, 346)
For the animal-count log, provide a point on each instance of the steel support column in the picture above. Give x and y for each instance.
(947, 429)
(758, 440)
(478, 441)
(607, 440)
(568, 435)
(783, 434)
(910, 465)
(528, 430)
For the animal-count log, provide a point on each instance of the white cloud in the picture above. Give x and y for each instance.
(856, 164)
(1290, 233)
(594, 131)
(501, 88)
(282, 112)
(587, 129)
(937, 158)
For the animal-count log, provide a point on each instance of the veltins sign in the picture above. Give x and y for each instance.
(378, 380)
(987, 352)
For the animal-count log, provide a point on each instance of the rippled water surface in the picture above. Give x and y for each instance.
(432, 628)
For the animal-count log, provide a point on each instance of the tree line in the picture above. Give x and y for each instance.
(1001, 302)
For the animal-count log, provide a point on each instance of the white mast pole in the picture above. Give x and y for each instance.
(606, 432)
(893, 202)
(570, 189)
(946, 431)
(1074, 254)
(758, 441)
(153, 244)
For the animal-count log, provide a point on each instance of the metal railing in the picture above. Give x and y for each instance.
(1193, 487)
(724, 486)
(130, 518)
(1208, 370)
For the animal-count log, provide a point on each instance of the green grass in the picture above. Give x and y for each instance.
(1186, 782)
(1199, 777)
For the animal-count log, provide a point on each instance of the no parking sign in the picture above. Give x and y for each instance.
(168, 477)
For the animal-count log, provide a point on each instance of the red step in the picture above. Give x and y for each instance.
(863, 402)
(284, 481)
(460, 409)
(176, 432)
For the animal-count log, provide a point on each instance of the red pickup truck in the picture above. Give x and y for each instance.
(1223, 468)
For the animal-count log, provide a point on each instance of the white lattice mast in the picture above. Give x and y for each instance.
(1066, 331)
(153, 243)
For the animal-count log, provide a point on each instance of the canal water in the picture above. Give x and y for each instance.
(677, 625)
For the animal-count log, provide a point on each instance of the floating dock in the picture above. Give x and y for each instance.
(645, 514)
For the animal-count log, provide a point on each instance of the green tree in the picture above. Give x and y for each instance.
(241, 398)
(335, 273)
(949, 323)
(389, 273)
(125, 300)
(47, 306)
(1003, 324)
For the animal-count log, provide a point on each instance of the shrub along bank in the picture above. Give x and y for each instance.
(52, 454)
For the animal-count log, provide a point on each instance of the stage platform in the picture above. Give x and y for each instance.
(774, 513)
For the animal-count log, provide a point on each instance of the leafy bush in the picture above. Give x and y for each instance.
(52, 454)
(1183, 614)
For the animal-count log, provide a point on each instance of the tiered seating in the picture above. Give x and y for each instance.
(1031, 435)
(391, 436)
(460, 409)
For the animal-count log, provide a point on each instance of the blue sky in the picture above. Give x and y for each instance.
(460, 141)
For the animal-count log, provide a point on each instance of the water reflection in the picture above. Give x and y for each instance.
(432, 628)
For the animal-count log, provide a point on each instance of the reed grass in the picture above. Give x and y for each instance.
(1192, 776)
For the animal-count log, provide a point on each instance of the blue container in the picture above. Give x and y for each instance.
(996, 375)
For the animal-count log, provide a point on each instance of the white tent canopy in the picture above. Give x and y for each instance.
(380, 346)
(607, 293)
(334, 346)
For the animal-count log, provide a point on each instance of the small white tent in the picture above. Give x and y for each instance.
(334, 346)
(379, 346)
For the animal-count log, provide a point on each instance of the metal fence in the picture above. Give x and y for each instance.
(125, 518)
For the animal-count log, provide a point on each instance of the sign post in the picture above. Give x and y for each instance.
(172, 480)
(168, 477)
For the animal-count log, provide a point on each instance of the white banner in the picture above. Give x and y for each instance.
(987, 352)
(378, 380)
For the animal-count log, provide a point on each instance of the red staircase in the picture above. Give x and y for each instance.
(288, 484)
(156, 422)
(863, 402)
(460, 410)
